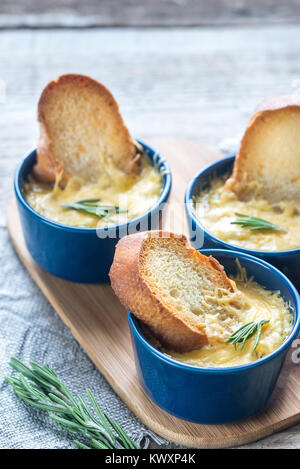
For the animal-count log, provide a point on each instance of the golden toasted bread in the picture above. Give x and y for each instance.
(172, 288)
(268, 162)
(81, 126)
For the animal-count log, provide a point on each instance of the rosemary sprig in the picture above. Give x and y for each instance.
(255, 223)
(246, 332)
(93, 207)
(40, 387)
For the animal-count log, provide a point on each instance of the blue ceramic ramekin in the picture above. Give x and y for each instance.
(216, 395)
(81, 254)
(287, 261)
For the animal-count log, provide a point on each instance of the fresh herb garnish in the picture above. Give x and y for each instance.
(246, 332)
(93, 207)
(40, 387)
(255, 223)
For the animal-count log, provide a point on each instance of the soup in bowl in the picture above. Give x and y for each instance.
(79, 246)
(209, 385)
(216, 216)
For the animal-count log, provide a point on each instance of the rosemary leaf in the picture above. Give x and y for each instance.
(82, 445)
(88, 201)
(255, 223)
(93, 207)
(245, 332)
(39, 386)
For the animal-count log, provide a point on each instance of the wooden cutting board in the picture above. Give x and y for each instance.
(99, 323)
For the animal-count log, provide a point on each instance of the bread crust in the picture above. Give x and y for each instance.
(239, 179)
(129, 284)
(49, 165)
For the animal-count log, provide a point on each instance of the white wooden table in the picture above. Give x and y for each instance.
(198, 83)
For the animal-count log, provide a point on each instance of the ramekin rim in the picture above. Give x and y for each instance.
(188, 202)
(167, 184)
(135, 328)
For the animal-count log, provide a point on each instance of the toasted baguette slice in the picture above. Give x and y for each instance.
(167, 284)
(268, 162)
(81, 126)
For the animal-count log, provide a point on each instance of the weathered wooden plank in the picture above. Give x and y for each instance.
(197, 83)
(194, 83)
(75, 13)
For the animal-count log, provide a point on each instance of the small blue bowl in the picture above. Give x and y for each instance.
(81, 254)
(216, 395)
(287, 261)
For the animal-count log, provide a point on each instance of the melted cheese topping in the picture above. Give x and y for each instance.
(258, 303)
(216, 208)
(136, 193)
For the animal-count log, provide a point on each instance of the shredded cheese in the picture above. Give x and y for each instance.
(136, 193)
(216, 208)
(249, 302)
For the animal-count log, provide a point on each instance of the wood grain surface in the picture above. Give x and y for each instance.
(196, 83)
(99, 323)
(75, 13)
